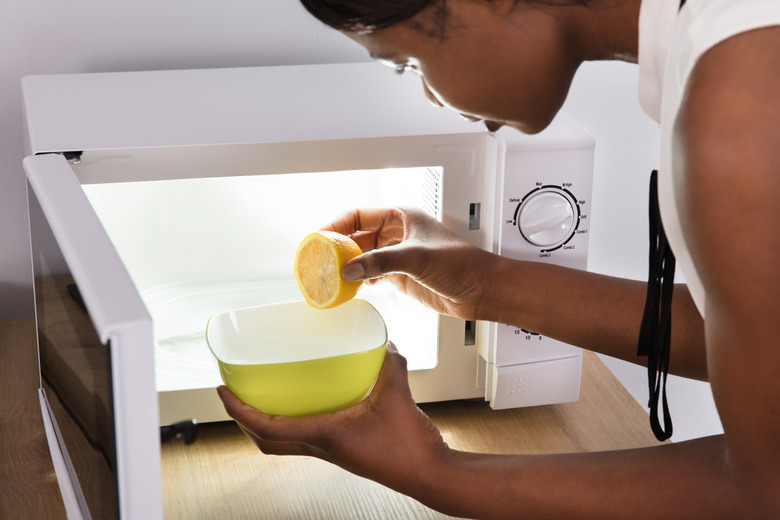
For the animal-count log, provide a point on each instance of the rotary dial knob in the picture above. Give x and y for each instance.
(547, 217)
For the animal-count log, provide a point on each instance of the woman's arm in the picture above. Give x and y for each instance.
(728, 134)
(596, 312)
(434, 265)
(386, 438)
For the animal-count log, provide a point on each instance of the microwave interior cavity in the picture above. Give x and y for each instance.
(198, 246)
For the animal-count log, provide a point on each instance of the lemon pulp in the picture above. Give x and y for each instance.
(318, 262)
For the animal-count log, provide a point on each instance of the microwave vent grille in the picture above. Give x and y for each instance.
(432, 191)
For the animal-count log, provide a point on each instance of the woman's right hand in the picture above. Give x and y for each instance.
(419, 255)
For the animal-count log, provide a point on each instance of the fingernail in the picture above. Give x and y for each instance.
(353, 272)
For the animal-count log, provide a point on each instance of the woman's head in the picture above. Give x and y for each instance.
(509, 62)
(364, 15)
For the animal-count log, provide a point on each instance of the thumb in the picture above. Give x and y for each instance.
(377, 263)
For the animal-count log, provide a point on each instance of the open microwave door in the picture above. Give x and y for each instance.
(95, 347)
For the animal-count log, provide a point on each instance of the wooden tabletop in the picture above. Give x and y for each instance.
(223, 475)
(28, 485)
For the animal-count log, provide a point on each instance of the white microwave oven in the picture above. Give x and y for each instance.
(158, 199)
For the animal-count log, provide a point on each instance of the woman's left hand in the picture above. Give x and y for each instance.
(385, 437)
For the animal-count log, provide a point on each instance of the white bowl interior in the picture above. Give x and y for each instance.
(295, 331)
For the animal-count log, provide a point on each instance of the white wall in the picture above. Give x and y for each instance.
(38, 37)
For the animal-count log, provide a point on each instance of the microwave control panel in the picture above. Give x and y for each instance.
(543, 216)
(545, 207)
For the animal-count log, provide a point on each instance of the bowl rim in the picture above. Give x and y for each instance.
(252, 307)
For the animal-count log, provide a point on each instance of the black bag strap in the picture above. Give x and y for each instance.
(655, 334)
(656, 331)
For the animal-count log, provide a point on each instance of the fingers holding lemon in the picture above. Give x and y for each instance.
(318, 262)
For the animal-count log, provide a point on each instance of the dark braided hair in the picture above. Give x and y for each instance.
(364, 15)
(374, 15)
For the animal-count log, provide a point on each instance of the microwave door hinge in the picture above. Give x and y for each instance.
(71, 157)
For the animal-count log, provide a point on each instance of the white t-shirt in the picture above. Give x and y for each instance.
(671, 40)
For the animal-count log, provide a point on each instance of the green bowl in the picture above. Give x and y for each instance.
(291, 359)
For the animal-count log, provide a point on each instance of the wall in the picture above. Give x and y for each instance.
(38, 37)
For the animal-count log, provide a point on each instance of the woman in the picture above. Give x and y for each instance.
(710, 73)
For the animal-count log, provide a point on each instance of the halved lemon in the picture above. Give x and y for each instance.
(318, 262)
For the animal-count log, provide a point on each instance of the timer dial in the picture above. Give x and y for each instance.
(547, 217)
